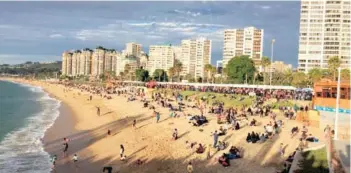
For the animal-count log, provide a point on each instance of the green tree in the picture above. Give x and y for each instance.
(160, 75)
(265, 61)
(213, 71)
(240, 68)
(299, 79)
(345, 74)
(141, 74)
(333, 64)
(288, 77)
(171, 72)
(178, 66)
(315, 75)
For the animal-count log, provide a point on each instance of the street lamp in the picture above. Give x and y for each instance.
(270, 74)
(337, 106)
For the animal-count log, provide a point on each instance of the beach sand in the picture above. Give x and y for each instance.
(150, 141)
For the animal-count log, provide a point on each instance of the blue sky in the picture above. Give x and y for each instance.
(41, 31)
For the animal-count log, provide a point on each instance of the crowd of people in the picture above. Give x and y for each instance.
(232, 118)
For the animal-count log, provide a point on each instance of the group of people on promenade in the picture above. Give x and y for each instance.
(236, 118)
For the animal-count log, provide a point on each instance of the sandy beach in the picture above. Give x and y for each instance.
(152, 142)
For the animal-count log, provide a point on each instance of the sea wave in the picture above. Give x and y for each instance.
(22, 150)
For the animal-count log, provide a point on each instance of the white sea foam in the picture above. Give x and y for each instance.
(22, 150)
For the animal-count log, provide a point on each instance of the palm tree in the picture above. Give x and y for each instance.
(333, 65)
(345, 74)
(265, 61)
(207, 70)
(213, 71)
(171, 72)
(178, 68)
(224, 74)
(315, 75)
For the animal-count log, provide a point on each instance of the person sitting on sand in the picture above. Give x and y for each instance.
(223, 160)
(253, 122)
(248, 138)
(254, 138)
(139, 162)
(262, 138)
(200, 149)
(221, 131)
(190, 168)
(221, 145)
(175, 134)
(235, 151)
(294, 131)
(237, 126)
(311, 138)
(108, 169)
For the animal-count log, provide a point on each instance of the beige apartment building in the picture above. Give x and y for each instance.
(110, 61)
(324, 32)
(247, 41)
(67, 63)
(85, 62)
(133, 49)
(195, 54)
(160, 57)
(98, 59)
(278, 66)
(75, 62)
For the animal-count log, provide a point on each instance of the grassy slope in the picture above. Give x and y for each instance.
(315, 161)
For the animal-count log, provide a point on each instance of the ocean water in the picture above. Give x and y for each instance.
(26, 112)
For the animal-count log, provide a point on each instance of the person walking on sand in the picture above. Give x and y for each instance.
(208, 151)
(215, 139)
(121, 151)
(65, 147)
(75, 161)
(157, 116)
(281, 150)
(190, 168)
(134, 123)
(97, 110)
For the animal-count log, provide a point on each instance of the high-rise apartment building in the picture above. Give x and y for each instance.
(195, 54)
(324, 32)
(98, 62)
(133, 49)
(67, 63)
(110, 61)
(247, 41)
(160, 57)
(75, 62)
(85, 62)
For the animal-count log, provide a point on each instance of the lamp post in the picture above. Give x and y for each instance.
(270, 74)
(337, 106)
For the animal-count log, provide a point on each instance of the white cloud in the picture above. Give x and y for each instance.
(265, 7)
(56, 36)
(190, 13)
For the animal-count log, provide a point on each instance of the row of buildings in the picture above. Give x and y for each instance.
(96, 62)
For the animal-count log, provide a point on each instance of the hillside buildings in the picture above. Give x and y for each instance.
(278, 66)
(325, 32)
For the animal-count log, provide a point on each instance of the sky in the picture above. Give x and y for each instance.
(41, 31)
